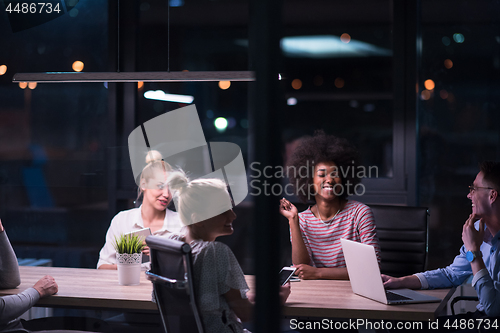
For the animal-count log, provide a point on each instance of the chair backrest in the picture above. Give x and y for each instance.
(173, 286)
(403, 235)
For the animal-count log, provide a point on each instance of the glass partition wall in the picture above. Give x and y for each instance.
(458, 112)
(411, 83)
(53, 137)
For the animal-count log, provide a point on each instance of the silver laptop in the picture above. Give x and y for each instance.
(366, 281)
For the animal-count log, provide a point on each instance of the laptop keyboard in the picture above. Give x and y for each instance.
(395, 297)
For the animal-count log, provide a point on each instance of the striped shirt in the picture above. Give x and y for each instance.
(322, 240)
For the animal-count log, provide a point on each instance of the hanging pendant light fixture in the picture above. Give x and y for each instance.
(133, 76)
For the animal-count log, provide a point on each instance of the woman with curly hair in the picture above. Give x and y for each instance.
(332, 174)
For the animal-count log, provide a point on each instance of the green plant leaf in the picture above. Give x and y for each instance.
(129, 244)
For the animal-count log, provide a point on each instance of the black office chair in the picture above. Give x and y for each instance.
(172, 276)
(403, 235)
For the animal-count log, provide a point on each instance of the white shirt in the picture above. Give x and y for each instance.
(131, 220)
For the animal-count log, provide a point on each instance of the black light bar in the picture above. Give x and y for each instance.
(68, 77)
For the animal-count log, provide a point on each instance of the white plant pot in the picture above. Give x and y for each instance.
(129, 268)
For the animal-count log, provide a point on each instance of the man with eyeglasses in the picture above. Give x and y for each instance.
(480, 254)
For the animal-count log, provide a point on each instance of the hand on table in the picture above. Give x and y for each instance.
(307, 272)
(471, 237)
(391, 282)
(287, 209)
(285, 291)
(46, 286)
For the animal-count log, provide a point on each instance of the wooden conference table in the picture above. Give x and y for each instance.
(99, 289)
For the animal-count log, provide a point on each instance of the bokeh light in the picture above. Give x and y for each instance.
(353, 103)
(291, 101)
(32, 85)
(224, 84)
(318, 80)
(140, 84)
(73, 13)
(23, 85)
(296, 84)
(448, 63)
(458, 38)
(77, 66)
(231, 122)
(443, 94)
(425, 95)
(369, 107)
(339, 82)
(451, 97)
(244, 123)
(345, 37)
(3, 69)
(429, 84)
(221, 123)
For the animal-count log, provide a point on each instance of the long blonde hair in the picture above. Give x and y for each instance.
(154, 163)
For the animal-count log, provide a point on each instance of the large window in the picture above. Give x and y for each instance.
(458, 113)
(53, 138)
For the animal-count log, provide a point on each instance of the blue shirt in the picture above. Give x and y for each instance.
(486, 282)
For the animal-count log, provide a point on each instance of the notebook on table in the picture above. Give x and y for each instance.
(143, 233)
(364, 274)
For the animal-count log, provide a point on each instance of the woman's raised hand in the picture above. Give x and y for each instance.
(287, 209)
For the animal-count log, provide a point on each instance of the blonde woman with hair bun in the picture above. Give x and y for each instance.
(205, 208)
(153, 213)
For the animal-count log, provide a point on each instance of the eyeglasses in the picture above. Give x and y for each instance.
(472, 188)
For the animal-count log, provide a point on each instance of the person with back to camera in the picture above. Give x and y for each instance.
(332, 173)
(153, 213)
(479, 255)
(11, 307)
(219, 281)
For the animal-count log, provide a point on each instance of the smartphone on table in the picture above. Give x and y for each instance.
(285, 274)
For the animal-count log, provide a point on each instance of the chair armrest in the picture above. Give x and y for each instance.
(461, 298)
(172, 283)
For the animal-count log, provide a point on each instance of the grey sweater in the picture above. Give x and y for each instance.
(11, 307)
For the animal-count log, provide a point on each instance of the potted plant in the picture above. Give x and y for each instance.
(129, 258)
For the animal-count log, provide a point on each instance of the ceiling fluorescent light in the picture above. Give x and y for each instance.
(160, 95)
(329, 46)
(61, 77)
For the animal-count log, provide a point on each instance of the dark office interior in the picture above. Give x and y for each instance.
(413, 84)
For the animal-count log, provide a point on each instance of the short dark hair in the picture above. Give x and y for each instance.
(491, 173)
(317, 149)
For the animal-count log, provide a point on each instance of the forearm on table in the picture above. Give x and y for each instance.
(13, 306)
(451, 276)
(333, 273)
(300, 255)
(411, 282)
(9, 269)
(107, 266)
